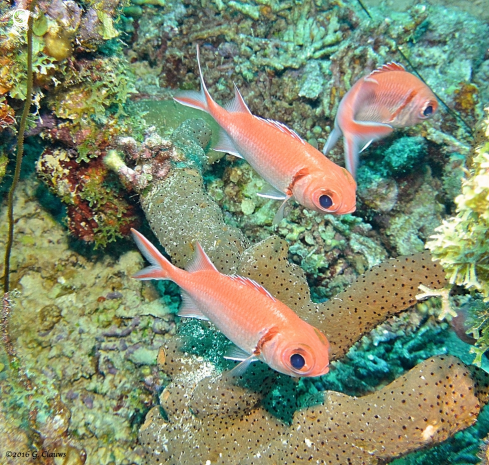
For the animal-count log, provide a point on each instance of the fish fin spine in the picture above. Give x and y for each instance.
(200, 261)
(237, 104)
(391, 66)
(200, 100)
(160, 267)
(254, 285)
(282, 128)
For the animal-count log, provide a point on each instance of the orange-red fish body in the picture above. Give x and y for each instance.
(262, 327)
(278, 154)
(387, 98)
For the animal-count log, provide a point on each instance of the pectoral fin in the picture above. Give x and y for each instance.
(234, 352)
(279, 216)
(189, 308)
(225, 144)
(270, 192)
(240, 369)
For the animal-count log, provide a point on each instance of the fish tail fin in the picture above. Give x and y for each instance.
(201, 100)
(160, 267)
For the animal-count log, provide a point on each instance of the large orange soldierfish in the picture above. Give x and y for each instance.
(291, 166)
(387, 98)
(261, 327)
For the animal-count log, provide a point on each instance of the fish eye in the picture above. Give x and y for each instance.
(428, 111)
(297, 361)
(325, 201)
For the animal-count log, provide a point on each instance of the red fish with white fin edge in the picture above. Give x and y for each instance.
(291, 166)
(387, 98)
(261, 327)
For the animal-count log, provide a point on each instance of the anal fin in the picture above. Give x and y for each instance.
(225, 144)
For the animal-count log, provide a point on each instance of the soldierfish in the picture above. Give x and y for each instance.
(291, 166)
(261, 327)
(387, 98)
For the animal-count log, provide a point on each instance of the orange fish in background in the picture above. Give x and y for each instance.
(387, 98)
(292, 167)
(261, 327)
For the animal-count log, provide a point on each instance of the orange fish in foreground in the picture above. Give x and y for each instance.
(387, 98)
(292, 167)
(262, 327)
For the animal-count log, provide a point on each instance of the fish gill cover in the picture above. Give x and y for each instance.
(93, 359)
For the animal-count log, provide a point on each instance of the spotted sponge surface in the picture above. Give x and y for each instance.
(425, 406)
(385, 290)
(180, 212)
(267, 263)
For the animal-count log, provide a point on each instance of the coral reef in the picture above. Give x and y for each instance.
(460, 243)
(96, 205)
(90, 338)
(86, 335)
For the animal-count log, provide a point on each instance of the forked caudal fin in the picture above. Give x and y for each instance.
(200, 100)
(160, 267)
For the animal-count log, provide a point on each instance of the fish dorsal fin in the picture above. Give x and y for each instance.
(237, 104)
(253, 285)
(189, 308)
(392, 66)
(233, 352)
(200, 262)
(282, 128)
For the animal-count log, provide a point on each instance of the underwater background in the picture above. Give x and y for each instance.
(96, 368)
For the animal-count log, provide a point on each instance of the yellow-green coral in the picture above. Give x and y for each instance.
(462, 242)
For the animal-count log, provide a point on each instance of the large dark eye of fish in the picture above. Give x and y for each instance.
(325, 201)
(428, 111)
(297, 361)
